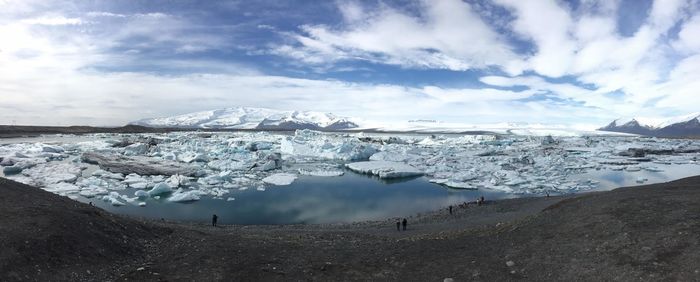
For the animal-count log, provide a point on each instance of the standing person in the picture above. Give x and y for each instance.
(450, 209)
(482, 200)
(404, 222)
(213, 220)
(398, 225)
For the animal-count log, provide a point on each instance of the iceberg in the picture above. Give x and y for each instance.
(280, 179)
(321, 173)
(160, 189)
(385, 169)
(181, 196)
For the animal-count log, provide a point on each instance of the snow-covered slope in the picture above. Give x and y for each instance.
(685, 125)
(252, 118)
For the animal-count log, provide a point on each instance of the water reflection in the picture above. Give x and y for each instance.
(348, 198)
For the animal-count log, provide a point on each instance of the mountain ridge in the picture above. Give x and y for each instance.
(252, 118)
(678, 126)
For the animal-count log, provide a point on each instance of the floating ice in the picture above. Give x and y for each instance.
(141, 194)
(316, 144)
(385, 169)
(113, 198)
(321, 173)
(52, 149)
(160, 189)
(181, 196)
(9, 170)
(136, 149)
(280, 179)
(106, 174)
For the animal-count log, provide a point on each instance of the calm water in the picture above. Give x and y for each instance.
(351, 197)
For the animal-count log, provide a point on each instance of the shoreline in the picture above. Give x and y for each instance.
(643, 232)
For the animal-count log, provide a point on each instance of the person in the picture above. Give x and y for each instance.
(404, 222)
(398, 225)
(213, 220)
(482, 200)
(450, 209)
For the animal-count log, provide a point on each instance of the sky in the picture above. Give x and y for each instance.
(580, 63)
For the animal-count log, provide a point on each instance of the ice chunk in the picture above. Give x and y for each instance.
(136, 181)
(160, 189)
(389, 156)
(316, 144)
(385, 169)
(53, 172)
(9, 170)
(178, 180)
(136, 149)
(106, 174)
(141, 194)
(319, 172)
(189, 157)
(93, 191)
(62, 188)
(454, 184)
(113, 198)
(181, 196)
(280, 179)
(52, 149)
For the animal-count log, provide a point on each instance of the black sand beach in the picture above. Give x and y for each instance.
(644, 233)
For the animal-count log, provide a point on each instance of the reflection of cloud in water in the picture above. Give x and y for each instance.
(352, 197)
(610, 179)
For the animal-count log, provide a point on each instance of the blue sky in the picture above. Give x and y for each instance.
(581, 63)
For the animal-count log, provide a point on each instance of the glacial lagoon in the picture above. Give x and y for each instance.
(230, 170)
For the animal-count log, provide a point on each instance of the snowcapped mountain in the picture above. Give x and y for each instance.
(252, 118)
(686, 125)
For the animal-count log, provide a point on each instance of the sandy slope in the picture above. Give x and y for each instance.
(647, 233)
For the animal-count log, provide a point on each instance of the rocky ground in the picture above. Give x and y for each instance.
(637, 233)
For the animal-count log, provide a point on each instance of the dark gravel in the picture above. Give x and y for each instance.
(646, 233)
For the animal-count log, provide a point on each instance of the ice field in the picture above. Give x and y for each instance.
(186, 167)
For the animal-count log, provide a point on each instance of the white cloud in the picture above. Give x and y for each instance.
(445, 35)
(548, 25)
(688, 39)
(647, 73)
(53, 20)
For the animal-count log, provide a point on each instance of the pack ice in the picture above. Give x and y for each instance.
(126, 169)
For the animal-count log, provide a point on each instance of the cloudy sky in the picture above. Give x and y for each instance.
(582, 62)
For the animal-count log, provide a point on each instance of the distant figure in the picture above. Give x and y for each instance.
(398, 225)
(91, 203)
(213, 220)
(547, 192)
(450, 209)
(404, 222)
